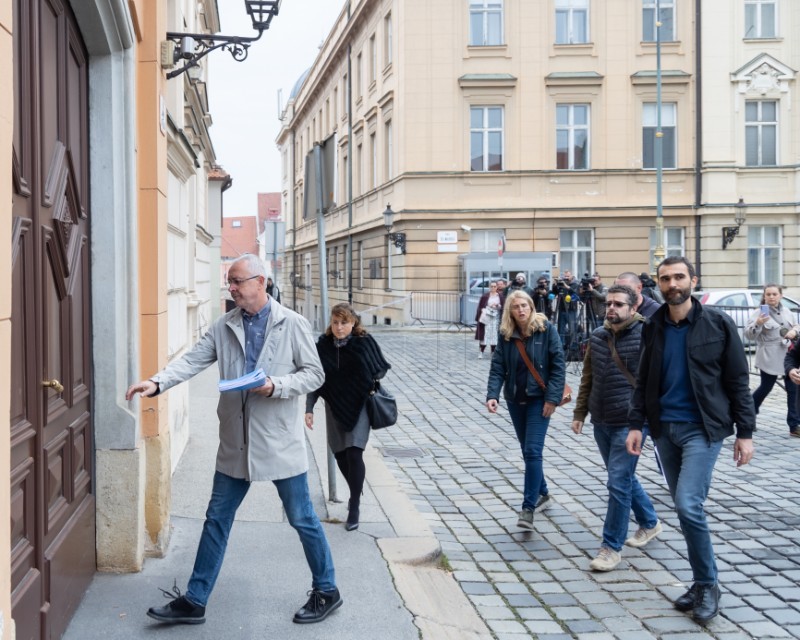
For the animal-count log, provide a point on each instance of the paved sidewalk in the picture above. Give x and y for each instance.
(462, 468)
(386, 570)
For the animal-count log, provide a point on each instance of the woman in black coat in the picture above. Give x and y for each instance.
(352, 362)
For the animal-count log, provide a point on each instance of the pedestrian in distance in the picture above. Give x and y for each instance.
(645, 305)
(773, 329)
(261, 435)
(531, 400)
(272, 290)
(607, 382)
(693, 385)
(352, 362)
(487, 319)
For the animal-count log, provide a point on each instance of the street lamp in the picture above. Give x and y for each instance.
(398, 239)
(192, 47)
(729, 233)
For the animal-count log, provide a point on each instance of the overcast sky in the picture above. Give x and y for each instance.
(243, 96)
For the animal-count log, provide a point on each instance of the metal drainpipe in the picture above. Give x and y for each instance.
(349, 167)
(698, 136)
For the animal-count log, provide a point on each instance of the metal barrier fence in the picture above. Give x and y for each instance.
(436, 306)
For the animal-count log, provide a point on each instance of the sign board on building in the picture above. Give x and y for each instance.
(447, 248)
(447, 237)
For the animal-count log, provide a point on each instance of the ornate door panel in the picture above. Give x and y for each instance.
(52, 454)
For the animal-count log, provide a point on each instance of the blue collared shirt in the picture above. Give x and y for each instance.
(255, 332)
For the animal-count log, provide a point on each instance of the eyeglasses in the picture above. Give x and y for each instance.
(618, 305)
(239, 281)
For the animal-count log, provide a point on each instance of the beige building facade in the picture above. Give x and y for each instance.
(533, 124)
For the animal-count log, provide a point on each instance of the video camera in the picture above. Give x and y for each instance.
(647, 281)
(587, 281)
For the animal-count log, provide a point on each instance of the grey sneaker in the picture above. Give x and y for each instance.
(643, 536)
(606, 560)
(542, 503)
(525, 519)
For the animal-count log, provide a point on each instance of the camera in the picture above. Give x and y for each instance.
(647, 281)
(587, 281)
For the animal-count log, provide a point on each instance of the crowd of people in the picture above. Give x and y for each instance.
(674, 371)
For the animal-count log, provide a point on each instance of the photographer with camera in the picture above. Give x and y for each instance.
(650, 288)
(520, 284)
(565, 289)
(542, 298)
(593, 295)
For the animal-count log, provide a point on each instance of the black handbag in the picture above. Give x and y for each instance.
(381, 407)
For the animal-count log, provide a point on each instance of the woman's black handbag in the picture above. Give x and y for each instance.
(381, 407)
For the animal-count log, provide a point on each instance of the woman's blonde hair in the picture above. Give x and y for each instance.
(536, 322)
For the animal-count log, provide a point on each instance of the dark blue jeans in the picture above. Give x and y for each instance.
(226, 497)
(624, 491)
(531, 428)
(688, 459)
(767, 382)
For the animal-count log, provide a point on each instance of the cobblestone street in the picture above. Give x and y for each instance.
(465, 477)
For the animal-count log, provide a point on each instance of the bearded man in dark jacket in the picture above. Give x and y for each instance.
(605, 392)
(693, 385)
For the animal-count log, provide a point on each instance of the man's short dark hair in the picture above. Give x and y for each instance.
(666, 262)
(623, 288)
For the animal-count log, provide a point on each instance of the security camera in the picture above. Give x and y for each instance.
(466, 228)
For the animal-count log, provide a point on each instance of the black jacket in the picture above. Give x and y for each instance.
(718, 374)
(605, 390)
(544, 350)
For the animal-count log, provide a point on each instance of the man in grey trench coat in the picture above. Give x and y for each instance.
(260, 434)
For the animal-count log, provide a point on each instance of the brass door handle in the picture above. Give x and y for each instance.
(53, 384)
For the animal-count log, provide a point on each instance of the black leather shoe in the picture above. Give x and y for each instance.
(319, 606)
(706, 605)
(687, 600)
(179, 611)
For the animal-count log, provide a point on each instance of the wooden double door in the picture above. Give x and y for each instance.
(52, 451)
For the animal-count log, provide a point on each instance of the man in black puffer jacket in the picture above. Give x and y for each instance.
(605, 392)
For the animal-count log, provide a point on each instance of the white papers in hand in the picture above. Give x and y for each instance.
(250, 380)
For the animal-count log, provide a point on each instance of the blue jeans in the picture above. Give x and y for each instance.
(226, 497)
(624, 491)
(687, 459)
(531, 428)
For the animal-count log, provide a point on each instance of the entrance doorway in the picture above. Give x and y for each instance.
(52, 451)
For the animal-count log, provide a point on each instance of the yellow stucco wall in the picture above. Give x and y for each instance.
(152, 216)
(6, 133)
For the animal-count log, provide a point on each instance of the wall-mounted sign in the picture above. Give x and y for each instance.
(447, 237)
(447, 248)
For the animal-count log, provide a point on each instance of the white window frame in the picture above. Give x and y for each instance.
(669, 120)
(573, 9)
(569, 253)
(672, 247)
(758, 249)
(760, 125)
(485, 130)
(485, 240)
(756, 30)
(389, 150)
(486, 9)
(373, 59)
(373, 150)
(387, 39)
(649, 19)
(571, 128)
